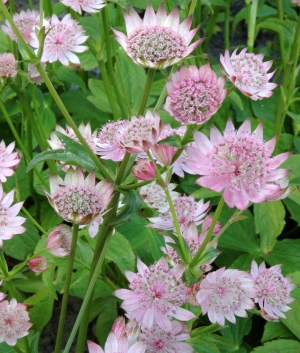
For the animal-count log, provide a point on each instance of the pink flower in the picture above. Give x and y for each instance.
(8, 65)
(248, 73)
(10, 223)
(144, 169)
(77, 199)
(239, 162)
(154, 196)
(194, 241)
(107, 145)
(225, 293)
(38, 264)
(297, 2)
(155, 296)
(90, 6)
(141, 133)
(63, 39)
(191, 293)
(158, 40)
(117, 341)
(14, 321)
(9, 160)
(160, 341)
(25, 21)
(85, 131)
(187, 210)
(272, 290)
(194, 95)
(59, 241)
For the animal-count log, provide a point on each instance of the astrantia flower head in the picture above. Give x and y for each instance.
(224, 294)
(10, 223)
(160, 341)
(158, 40)
(154, 196)
(59, 241)
(62, 40)
(141, 133)
(155, 296)
(194, 95)
(90, 6)
(38, 264)
(272, 290)
(239, 162)
(107, 145)
(85, 131)
(77, 199)
(8, 65)
(187, 209)
(9, 160)
(14, 321)
(248, 73)
(144, 169)
(25, 22)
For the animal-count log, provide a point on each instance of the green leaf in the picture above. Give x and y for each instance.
(275, 329)
(239, 235)
(67, 74)
(266, 109)
(236, 332)
(292, 321)
(173, 140)
(294, 116)
(133, 204)
(5, 348)
(279, 346)
(120, 252)
(50, 218)
(47, 277)
(285, 252)
(293, 208)
(269, 222)
(236, 99)
(106, 318)
(21, 245)
(40, 308)
(215, 2)
(157, 87)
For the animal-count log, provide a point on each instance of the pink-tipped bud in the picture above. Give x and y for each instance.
(119, 327)
(164, 153)
(191, 292)
(207, 222)
(144, 169)
(39, 264)
(59, 241)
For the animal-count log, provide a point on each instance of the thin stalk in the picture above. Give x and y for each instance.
(227, 25)
(26, 344)
(150, 77)
(20, 143)
(192, 7)
(28, 112)
(102, 168)
(89, 291)
(209, 233)
(163, 93)
(30, 4)
(63, 310)
(41, 13)
(135, 185)
(37, 112)
(104, 14)
(210, 26)
(122, 80)
(33, 221)
(30, 151)
(287, 85)
(281, 43)
(251, 25)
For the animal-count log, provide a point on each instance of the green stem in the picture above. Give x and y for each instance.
(30, 151)
(104, 14)
(83, 312)
(20, 143)
(226, 25)
(135, 185)
(4, 270)
(41, 13)
(150, 77)
(101, 245)
(192, 7)
(63, 310)
(210, 27)
(281, 43)
(28, 215)
(163, 93)
(26, 344)
(251, 25)
(209, 233)
(37, 112)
